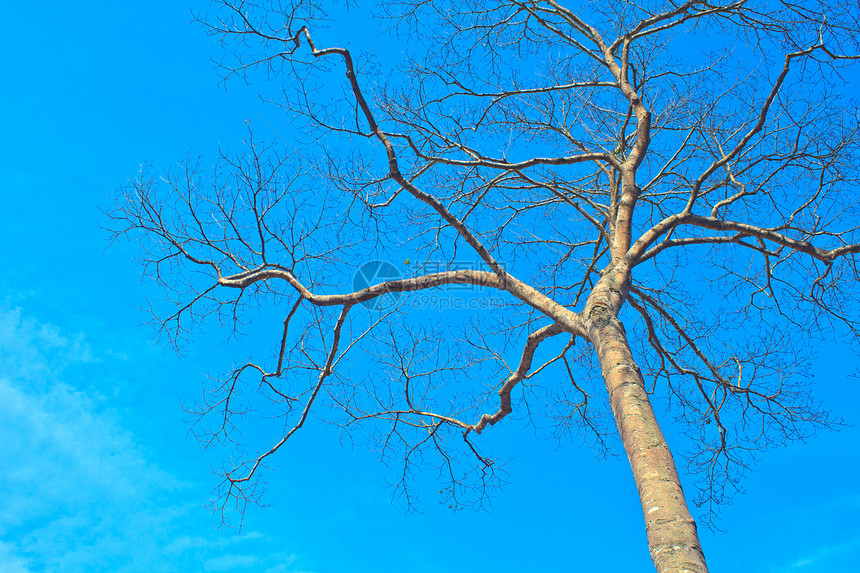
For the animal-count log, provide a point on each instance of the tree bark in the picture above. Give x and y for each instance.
(671, 530)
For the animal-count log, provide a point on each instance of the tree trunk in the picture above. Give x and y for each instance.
(671, 530)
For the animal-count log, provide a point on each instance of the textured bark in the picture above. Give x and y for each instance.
(671, 530)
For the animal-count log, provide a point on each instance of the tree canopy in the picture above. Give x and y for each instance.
(657, 196)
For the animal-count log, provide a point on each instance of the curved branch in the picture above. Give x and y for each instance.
(534, 339)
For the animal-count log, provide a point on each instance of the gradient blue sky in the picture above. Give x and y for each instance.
(97, 472)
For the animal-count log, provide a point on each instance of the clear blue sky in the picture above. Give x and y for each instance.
(97, 472)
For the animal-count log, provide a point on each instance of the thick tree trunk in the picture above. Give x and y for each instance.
(670, 528)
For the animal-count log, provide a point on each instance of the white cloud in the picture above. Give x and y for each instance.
(829, 557)
(229, 562)
(840, 549)
(80, 494)
(10, 562)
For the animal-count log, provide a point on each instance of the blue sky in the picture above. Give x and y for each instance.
(98, 470)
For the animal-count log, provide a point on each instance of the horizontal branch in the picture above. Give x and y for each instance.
(468, 276)
(570, 320)
(824, 255)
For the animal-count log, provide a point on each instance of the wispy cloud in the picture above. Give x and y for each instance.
(80, 493)
(841, 550)
(829, 557)
(230, 562)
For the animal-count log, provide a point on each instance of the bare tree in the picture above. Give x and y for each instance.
(662, 192)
